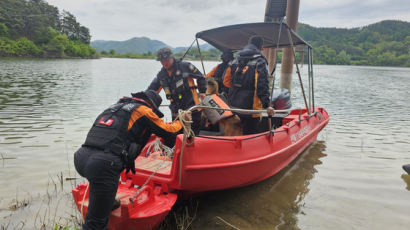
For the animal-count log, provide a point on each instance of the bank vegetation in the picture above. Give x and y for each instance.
(33, 28)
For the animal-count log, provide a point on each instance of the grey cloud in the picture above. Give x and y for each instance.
(354, 13)
(176, 21)
(203, 4)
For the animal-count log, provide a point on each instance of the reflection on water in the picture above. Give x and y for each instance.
(271, 204)
(47, 107)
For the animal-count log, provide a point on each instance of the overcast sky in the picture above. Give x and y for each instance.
(175, 22)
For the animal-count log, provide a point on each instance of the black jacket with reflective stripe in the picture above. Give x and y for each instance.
(248, 67)
(177, 86)
(129, 121)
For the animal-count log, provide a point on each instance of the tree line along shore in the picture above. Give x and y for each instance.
(33, 28)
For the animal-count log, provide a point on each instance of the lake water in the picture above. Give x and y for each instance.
(351, 178)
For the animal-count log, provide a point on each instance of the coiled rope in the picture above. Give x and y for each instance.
(157, 146)
(169, 152)
(154, 146)
(188, 133)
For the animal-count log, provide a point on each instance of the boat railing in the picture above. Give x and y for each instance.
(236, 110)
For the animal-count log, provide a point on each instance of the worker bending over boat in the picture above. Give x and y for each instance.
(218, 71)
(176, 77)
(113, 143)
(247, 80)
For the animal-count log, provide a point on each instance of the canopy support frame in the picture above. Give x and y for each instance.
(297, 70)
(310, 57)
(200, 56)
(273, 74)
(186, 52)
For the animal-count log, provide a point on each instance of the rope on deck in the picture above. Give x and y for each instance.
(169, 152)
(188, 133)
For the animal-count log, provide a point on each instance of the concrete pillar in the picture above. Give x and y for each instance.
(292, 14)
(270, 53)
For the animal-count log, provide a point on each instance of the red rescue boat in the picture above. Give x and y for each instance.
(214, 162)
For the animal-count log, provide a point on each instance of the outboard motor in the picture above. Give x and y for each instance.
(281, 99)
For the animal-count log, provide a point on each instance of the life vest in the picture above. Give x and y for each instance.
(180, 89)
(219, 73)
(214, 115)
(242, 90)
(110, 129)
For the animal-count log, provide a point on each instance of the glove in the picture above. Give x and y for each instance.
(130, 155)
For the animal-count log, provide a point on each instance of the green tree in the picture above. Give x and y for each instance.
(84, 35)
(28, 21)
(73, 29)
(342, 58)
(47, 36)
(6, 47)
(4, 31)
(57, 46)
(24, 47)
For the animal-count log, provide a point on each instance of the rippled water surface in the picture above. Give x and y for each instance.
(351, 178)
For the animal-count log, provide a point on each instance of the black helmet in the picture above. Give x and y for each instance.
(257, 41)
(153, 99)
(164, 53)
(227, 54)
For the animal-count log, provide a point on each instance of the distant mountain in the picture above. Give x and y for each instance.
(137, 45)
(204, 47)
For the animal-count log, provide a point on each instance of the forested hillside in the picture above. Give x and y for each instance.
(386, 43)
(134, 45)
(35, 28)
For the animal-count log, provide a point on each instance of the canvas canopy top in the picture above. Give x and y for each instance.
(235, 37)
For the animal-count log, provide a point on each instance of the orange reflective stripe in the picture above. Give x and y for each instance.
(159, 89)
(245, 69)
(191, 84)
(257, 104)
(227, 78)
(222, 104)
(147, 112)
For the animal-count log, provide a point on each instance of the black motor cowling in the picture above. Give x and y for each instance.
(281, 99)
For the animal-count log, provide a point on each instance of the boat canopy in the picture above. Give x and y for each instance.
(235, 37)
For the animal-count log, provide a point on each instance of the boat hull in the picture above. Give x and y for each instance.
(215, 163)
(145, 212)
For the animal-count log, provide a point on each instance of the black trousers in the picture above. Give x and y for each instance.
(250, 125)
(102, 170)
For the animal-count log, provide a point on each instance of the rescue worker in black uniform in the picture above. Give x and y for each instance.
(113, 143)
(247, 80)
(176, 77)
(218, 71)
